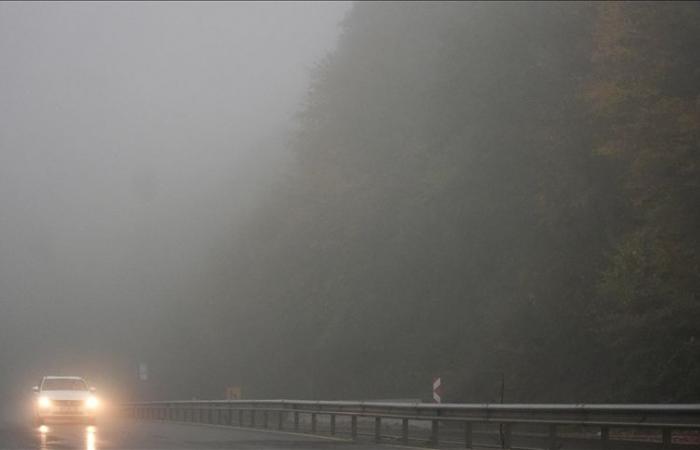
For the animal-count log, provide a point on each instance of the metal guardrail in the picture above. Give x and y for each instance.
(658, 423)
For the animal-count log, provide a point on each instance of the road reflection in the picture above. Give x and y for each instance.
(43, 431)
(50, 440)
(90, 439)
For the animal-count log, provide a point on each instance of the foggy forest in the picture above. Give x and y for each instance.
(343, 201)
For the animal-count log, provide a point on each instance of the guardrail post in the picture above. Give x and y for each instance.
(296, 420)
(313, 422)
(604, 437)
(507, 436)
(280, 420)
(377, 429)
(467, 435)
(265, 419)
(435, 432)
(210, 414)
(252, 418)
(404, 431)
(240, 417)
(552, 437)
(353, 427)
(332, 424)
(230, 415)
(666, 438)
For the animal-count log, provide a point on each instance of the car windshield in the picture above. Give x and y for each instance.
(64, 384)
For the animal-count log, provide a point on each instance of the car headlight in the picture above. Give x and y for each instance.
(92, 403)
(44, 402)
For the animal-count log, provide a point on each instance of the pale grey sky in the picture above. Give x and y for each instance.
(131, 136)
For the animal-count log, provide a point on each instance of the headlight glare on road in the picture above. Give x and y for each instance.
(44, 402)
(92, 403)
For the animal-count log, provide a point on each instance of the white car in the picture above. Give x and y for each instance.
(65, 399)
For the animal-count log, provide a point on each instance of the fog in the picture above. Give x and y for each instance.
(133, 137)
(343, 201)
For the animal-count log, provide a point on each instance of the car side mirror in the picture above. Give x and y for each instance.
(35, 389)
(93, 389)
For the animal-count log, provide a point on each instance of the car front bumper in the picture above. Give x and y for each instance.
(59, 414)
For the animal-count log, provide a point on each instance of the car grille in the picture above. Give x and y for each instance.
(67, 403)
(66, 407)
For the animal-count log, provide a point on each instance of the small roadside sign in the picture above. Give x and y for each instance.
(143, 372)
(233, 392)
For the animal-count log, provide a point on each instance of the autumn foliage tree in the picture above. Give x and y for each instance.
(480, 189)
(645, 92)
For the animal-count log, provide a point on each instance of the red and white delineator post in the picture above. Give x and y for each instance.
(437, 390)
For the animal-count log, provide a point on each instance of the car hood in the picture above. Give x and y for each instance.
(65, 395)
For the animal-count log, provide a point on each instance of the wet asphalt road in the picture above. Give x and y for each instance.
(125, 434)
(128, 434)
